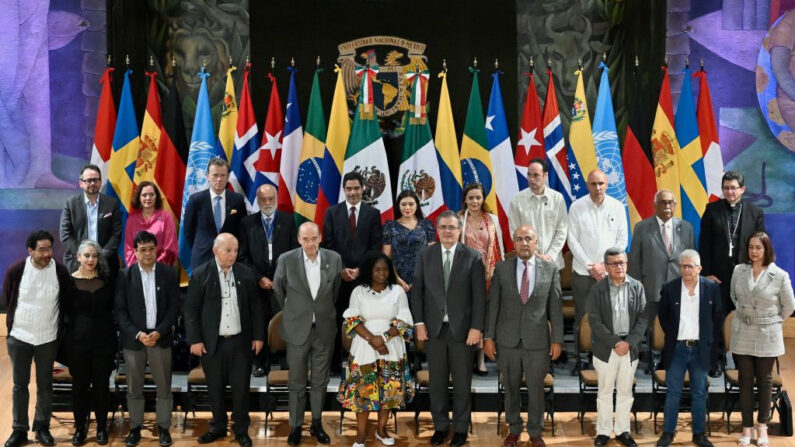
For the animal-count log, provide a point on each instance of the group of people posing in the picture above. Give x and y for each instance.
(449, 287)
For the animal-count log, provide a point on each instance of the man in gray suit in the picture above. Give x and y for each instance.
(617, 316)
(448, 303)
(305, 285)
(91, 215)
(524, 301)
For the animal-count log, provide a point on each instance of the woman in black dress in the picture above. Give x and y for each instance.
(91, 341)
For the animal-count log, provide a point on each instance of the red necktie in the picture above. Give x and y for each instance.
(352, 219)
(524, 293)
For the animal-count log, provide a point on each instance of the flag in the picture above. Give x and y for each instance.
(243, 177)
(172, 155)
(202, 148)
(638, 170)
(339, 130)
(226, 129)
(151, 129)
(558, 176)
(270, 150)
(475, 159)
(308, 178)
(691, 164)
(581, 137)
(531, 134)
(501, 155)
(664, 146)
(708, 133)
(419, 167)
(447, 150)
(366, 153)
(104, 127)
(291, 149)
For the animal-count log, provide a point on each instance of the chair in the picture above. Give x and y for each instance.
(731, 379)
(196, 395)
(276, 384)
(588, 378)
(658, 385)
(61, 389)
(422, 381)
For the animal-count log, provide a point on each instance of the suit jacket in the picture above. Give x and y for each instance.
(509, 322)
(254, 242)
(73, 229)
(714, 237)
(710, 318)
(10, 295)
(203, 305)
(131, 305)
(600, 315)
(337, 233)
(465, 297)
(649, 261)
(291, 289)
(199, 223)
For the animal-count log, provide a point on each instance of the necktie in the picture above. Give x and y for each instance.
(524, 293)
(217, 213)
(667, 240)
(269, 229)
(352, 219)
(446, 267)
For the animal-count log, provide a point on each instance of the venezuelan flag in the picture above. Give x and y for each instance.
(580, 132)
(691, 163)
(447, 150)
(475, 157)
(226, 130)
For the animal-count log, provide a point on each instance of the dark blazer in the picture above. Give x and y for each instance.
(465, 297)
(11, 291)
(714, 238)
(649, 261)
(131, 305)
(600, 316)
(199, 223)
(337, 233)
(710, 317)
(511, 323)
(203, 305)
(73, 229)
(254, 243)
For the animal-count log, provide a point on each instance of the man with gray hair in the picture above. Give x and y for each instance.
(690, 315)
(617, 316)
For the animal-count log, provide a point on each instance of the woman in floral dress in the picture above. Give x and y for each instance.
(406, 236)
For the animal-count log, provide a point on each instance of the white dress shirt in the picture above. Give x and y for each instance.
(688, 314)
(312, 275)
(546, 214)
(36, 315)
(531, 274)
(213, 195)
(92, 218)
(593, 229)
(620, 302)
(230, 312)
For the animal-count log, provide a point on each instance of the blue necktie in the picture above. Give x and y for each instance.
(217, 213)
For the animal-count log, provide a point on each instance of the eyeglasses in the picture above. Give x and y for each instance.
(667, 203)
(731, 188)
(447, 227)
(91, 180)
(616, 264)
(688, 266)
(43, 250)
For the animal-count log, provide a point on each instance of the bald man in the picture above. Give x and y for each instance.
(264, 236)
(223, 329)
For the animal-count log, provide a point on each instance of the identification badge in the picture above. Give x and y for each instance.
(270, 252)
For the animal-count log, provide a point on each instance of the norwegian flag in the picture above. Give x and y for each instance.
(531, 134)
(556, 147)
(270, 152)
(244, 177)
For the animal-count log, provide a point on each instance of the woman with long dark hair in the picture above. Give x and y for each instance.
(406, 236)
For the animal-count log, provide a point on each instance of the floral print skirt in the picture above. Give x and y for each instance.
(376, 386)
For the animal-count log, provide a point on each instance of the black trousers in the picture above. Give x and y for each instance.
(448, 357)
(229, 364)
(757, 369)
(90, 370)
(22, 355)
(269, 308)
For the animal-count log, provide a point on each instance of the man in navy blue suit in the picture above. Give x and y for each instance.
(211, 212)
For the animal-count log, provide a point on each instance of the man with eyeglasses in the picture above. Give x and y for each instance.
(690, 315)
(33, 296)
(91, 215)
(617, 317)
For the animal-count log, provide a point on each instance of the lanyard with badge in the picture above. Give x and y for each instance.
(269, 234)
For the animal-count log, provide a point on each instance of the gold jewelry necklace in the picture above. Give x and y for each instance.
(85, 276)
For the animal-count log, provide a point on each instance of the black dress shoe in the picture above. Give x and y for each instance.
(701, 440)
(19, 438)
(458, 439)
(666, 439)
(295, 436)
(102, 436)
(626, 439)
(163, 437)
(601, 440)
(243, 439)
(44, 437)
(438, 437)
(79, 438)
(210, 436)
(316, 430)
(480, 373)
(133, 438)
(259, 372)
(716, 371)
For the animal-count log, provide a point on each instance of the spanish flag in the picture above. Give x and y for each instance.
(475, 157)
(665, 146)
(151, 130)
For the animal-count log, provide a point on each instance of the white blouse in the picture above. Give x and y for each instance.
(378, 310)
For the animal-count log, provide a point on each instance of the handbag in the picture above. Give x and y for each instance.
(784, 414)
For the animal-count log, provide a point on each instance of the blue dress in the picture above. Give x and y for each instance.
(407, 244)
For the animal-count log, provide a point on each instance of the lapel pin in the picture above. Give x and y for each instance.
(158, 288)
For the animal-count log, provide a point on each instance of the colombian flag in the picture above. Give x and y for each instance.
(312, 148)
(475, 157)
(447, 150)
(665, 146)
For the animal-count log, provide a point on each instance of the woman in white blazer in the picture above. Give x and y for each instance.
(762, 293)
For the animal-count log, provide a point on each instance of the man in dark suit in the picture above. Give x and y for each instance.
(448, 303)
(306, 283)
(351, 228)
(524, 303)
(91, 215)
(690, 315)
(211, 212)
(223, 327)
(264, 236)
(147, 304)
